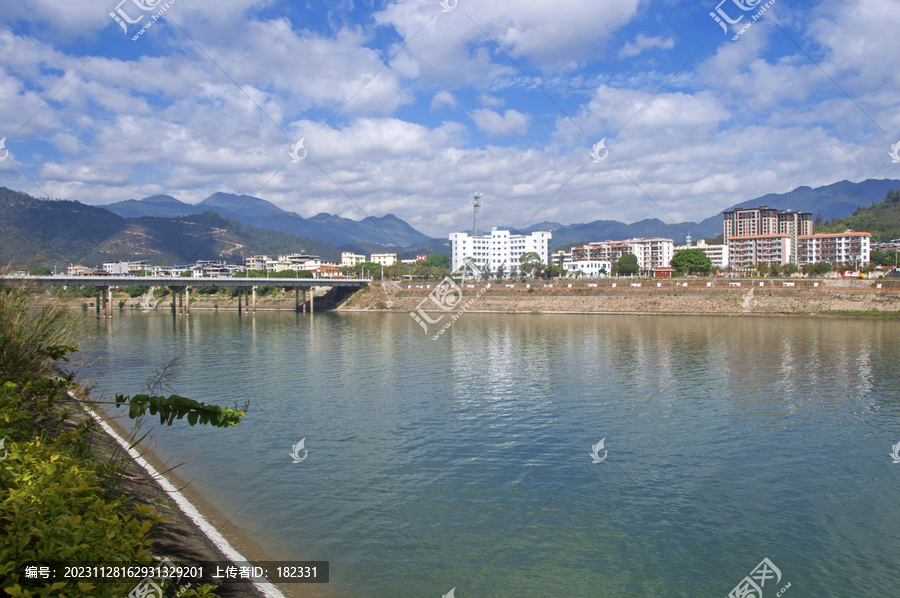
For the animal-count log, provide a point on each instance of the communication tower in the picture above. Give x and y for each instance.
(475, 205)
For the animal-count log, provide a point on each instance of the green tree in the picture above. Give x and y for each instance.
(691, 261)
(883, 258)
(762, 268)
(626, 265)
(790, 269)
(439, 260)
(528, 263)
(40, 271)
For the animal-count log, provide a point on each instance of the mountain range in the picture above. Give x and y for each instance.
(43, 232)
(164, 229)
(391, 233)
(384, 231)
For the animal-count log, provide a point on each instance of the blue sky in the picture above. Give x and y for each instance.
(408, 107)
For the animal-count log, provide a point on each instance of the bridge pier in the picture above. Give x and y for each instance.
(98, 299)
(254, 298)
(312, 297)
(174, 299)
(187, 300)
(240, 298)
(109, 301)
(296, 300)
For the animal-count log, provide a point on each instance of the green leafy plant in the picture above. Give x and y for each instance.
(176, 407)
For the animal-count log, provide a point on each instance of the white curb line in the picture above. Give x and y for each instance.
(186, 507)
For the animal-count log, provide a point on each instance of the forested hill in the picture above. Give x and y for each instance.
(882, 219)
(42, 232)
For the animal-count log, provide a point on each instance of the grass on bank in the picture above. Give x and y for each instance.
(57, 503)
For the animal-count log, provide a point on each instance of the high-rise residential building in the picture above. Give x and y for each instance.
(498, 249)
(766, 221)
(745, 251)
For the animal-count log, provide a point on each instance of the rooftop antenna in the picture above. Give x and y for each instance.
(475, 204)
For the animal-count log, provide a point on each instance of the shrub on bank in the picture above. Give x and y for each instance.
(57, 504)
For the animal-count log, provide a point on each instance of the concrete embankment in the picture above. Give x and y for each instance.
(698, 297)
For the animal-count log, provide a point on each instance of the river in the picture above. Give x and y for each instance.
(465, 462)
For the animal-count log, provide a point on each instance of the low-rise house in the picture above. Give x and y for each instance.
(385, 259)
(327, 272)
(587, 268)
(350, 259)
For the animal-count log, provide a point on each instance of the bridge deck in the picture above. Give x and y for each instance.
(181, 282)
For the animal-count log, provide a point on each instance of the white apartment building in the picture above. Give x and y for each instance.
(717, 254)
(500, 248)
(587, 268)
(749, 250)
(654, 252)
(124, 268)
(385, 259)
(257, 262)
(348, 258)
(835, 248)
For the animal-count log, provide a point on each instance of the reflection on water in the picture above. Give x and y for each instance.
(464, 462)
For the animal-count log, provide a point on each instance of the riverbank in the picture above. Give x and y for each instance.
(646, 297)
(693, 296)
(179, 538)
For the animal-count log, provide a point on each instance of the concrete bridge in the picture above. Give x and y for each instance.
(180, 286)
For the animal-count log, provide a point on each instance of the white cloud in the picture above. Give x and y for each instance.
(457, 47)
(492, 101)
(642, 43)
(492, 123)
(741, 122)
(443, 99)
